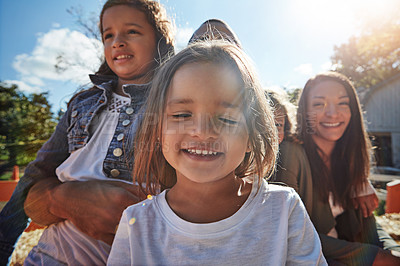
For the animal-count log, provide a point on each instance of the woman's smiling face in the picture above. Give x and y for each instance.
(328, 112)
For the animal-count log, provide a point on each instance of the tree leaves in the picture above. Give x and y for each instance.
(26, 121)
(371, 57)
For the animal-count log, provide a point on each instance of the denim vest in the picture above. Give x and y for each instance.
(72, 133)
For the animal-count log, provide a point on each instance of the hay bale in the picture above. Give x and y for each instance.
(25, 243)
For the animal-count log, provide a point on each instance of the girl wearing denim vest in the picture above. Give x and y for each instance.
(89, 144)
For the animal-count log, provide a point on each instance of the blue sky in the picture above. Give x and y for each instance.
(288, 40)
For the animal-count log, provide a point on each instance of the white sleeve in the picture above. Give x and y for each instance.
(367, 189)
(304, 246)
(121, 250)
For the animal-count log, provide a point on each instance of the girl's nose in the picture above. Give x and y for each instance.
(119, 42)
(204, 127)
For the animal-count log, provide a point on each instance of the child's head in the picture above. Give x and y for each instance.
(215, 29)
(284, 112)
(205, 101)
(137, 35)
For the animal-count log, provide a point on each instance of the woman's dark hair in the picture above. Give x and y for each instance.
(350, 158)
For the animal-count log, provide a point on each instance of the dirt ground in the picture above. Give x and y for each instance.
(390, 222)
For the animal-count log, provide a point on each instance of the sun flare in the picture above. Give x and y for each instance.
(343, 16)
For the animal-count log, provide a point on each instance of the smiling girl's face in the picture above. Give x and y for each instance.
(328, 112)
(204, 135)
(129, 43)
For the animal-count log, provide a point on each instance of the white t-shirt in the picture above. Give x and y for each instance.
(87, 162)
(271, 228)
(63, 243)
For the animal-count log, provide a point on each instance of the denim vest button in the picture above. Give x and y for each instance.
(74, 113)
(129, 110)
(126, 122)
(117, 152)
(120, 137)
(114, 173)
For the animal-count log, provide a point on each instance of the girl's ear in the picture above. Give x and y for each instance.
(248, 146)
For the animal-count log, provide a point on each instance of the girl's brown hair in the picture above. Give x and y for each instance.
(163, 27)
(151, 167)
(350, 159)
(156, 16)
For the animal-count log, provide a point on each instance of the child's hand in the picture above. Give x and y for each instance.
(95, 207)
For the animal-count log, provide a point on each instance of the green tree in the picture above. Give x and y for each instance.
(26, 122)
(294, 95)
(371, 57)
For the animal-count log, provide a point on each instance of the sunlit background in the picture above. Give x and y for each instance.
(289, 40)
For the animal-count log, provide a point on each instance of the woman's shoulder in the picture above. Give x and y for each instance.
(290, 150)
(291, 145)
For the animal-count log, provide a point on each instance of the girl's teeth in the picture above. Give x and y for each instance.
(202, 152)
(123, 56)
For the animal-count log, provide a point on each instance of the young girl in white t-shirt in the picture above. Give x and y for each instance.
(207, 139)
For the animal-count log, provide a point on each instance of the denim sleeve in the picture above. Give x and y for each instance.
(13, 219)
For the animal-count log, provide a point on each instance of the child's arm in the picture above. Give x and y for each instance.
(95, 206)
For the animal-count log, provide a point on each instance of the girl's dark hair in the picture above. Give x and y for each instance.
(350, 159)
(152, 169)
(157, 17)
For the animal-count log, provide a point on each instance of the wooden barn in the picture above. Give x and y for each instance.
(381, 105)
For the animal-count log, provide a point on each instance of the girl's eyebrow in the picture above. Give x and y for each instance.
(190, 101)
(179, 101)
(228, 105)
(126, 24)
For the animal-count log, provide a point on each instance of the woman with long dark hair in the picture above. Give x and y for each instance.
(334, 161)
